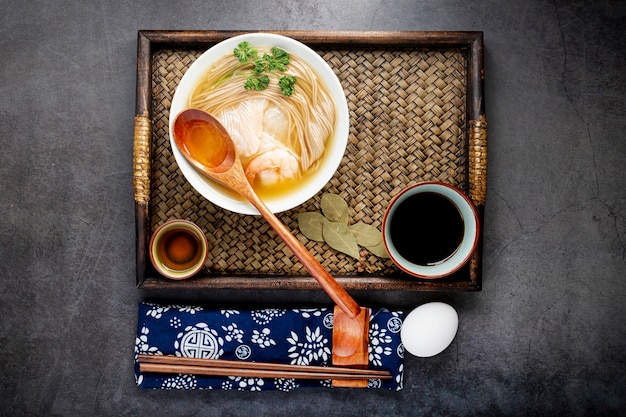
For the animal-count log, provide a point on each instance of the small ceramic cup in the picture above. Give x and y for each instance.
(178, 249)
(430, 229)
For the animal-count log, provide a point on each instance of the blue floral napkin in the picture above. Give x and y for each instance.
(292, 336)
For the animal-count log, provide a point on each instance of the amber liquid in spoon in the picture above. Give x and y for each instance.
(211, 153)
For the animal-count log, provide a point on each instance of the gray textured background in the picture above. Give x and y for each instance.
(546, 336)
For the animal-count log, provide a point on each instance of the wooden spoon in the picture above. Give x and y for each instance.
(206, 144)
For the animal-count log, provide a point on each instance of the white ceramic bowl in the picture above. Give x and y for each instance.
(338, 142)
(464, 250)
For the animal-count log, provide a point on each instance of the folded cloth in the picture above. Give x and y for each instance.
(290, 336)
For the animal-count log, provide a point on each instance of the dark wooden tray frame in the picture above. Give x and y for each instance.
(468, 278)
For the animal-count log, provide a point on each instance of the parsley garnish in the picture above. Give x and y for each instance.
(257, 83)
(259, 66)
(287, 84)
(278, 60)
(244, 52)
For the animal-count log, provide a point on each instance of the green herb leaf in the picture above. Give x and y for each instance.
(339, 237)
(287, 84)
(311, 225)
(279, 59)
(276, 61)
(378, 250)
(366, 235)
(335, 208)
(332, 227)
(257, 83)
(259, 66)
(244, 52)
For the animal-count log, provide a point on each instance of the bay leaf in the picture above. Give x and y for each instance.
(378, 250)
(311, 225)
(366, 235)
(335, 208)
(339, 237)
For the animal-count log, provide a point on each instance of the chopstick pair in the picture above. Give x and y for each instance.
(220, 367)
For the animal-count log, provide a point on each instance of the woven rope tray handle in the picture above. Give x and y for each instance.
(478, 160)
(141, 157)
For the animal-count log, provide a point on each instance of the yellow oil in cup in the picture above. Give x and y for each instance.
(178, 249)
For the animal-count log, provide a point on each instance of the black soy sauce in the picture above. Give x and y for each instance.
(426, 228)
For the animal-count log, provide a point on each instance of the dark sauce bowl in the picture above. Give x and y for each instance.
(430, 229)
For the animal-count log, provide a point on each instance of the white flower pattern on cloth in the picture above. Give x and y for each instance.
(142, 346)
(378, 339)
(285, 384)
(233, 333)
(156, 311)
(326, 383)
(228, 313)
(314, 347)
(175, 322)
(189, 309)
(263, 317)
(400, 378)
(296, 336)
(310, 312)
(247, 384)
(180, 382)
(263, 338)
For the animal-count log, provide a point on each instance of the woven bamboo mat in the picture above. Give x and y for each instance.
(407, 117)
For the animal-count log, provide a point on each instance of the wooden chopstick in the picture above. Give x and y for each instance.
(219, 367)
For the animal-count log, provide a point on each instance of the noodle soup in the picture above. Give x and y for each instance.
(280, 138)
(289, 145)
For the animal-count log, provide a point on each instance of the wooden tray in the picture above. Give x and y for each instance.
(417, 113)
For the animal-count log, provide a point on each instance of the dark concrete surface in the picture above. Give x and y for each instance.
(546, 336)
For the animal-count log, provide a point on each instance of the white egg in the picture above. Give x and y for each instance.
(429, 329)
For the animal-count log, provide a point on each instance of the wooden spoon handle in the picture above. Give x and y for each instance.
(336, 292)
